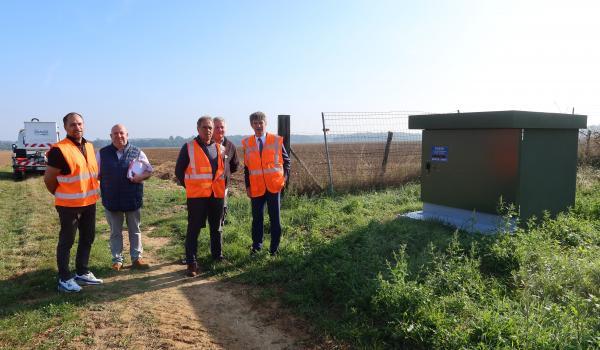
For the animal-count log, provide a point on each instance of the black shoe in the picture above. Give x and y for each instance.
(220, 259)
(275, 253)
(192, 270)
(254, 252)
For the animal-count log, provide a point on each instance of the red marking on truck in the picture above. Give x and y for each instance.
(39, 145)
(26, 162)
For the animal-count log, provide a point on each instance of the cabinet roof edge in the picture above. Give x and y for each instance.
(498, 120)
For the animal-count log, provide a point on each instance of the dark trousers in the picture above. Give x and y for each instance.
(199, 209)
(71, 219)
(258, 208)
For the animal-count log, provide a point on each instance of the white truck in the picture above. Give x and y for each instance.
(33, 142)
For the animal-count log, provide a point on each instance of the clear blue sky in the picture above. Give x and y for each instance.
(156, 66)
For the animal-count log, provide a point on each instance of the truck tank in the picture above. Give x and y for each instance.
(33, 142)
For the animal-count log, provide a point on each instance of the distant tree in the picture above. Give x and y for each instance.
(4, 145)
(178, 141)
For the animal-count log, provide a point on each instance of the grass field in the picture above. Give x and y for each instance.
(30, 307)
(361, 277)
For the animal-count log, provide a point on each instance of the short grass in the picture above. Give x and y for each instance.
(32, 313)
(370, 280)
(349, 266)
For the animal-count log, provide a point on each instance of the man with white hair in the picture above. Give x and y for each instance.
(123, 168)
(229, 154)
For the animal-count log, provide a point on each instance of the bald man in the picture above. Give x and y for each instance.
(123, 168)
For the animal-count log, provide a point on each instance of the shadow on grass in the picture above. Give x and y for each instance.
(330, 282)
(6, 176)
(228, 318)
(37, 289)
(334, 283)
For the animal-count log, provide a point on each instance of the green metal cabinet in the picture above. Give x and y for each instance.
(472, 160)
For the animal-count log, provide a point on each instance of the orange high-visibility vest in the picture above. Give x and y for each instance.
(265, 171)
(198, 180)
(80, 187)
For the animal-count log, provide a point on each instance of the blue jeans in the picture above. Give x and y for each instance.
(273, 201)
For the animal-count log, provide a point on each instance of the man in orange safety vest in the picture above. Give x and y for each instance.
(72, 177)
(266, 170)
(199, 168)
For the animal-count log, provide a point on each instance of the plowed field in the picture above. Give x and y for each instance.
(5, 158)
(353, 165)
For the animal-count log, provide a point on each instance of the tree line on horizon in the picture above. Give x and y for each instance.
(177, 141)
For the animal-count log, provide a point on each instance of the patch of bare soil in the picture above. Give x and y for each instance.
(162, 309)
(5, 158)
(165, 171)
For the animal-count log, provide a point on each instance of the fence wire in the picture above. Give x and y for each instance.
(357, 143)
(366, 150)
(589, 147)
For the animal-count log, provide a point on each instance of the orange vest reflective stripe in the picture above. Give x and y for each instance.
(199, 182)
(80, 187)
(265, 171)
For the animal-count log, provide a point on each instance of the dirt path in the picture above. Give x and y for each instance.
(162, 309)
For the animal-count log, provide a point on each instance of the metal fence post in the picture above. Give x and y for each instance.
(386, 153)
(283, 129)
(325, 130)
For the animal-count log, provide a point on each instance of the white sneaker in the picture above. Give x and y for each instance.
(68, 286)
(87, 278)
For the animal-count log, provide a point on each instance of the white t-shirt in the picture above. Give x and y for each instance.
(142, 159)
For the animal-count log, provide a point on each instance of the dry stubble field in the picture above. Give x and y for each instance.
(5, 158)
(353, 165)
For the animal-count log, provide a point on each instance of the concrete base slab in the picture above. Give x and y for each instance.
(470, 221)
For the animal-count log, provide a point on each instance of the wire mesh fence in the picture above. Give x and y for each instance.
(376, 149)
(589, 147)
(360, 150)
